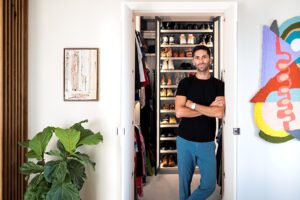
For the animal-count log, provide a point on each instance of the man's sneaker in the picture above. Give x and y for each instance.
(163, 93)
(202, 39)
(165, 64)
(165, 40)
(170, 93)
(171, 65)
(191, 39)
(171, 40)
(169, 80)
(169, 52)
(209, 40)
(163, 80)
(172, 120)
(182, 39)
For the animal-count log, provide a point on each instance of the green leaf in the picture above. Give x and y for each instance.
(37, 188)
(84, 159)
(55, 171)
(56, 153)
(68, 137)
(63, 191)
(40, 141)
(76, 172)
(32, 154)
(61, 148)
(91, 139)
(31, 168)
(24, 143)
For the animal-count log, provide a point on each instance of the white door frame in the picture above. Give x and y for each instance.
(227, 9)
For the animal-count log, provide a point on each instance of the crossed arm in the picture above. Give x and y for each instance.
(183, 108)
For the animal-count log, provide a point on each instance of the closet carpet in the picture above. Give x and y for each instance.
(165, 187)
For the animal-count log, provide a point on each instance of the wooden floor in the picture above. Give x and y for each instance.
(165, 187)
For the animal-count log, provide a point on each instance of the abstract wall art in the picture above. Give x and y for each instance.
(277, 103)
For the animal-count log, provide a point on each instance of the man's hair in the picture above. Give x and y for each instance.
(201, 47)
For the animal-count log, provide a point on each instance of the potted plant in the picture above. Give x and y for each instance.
(63, 177)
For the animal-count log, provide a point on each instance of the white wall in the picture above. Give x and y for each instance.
(265, 171)
(53, 26)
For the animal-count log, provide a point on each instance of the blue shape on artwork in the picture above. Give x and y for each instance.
(294, 92)
(295, 133)
(287, 23)
(270, 57)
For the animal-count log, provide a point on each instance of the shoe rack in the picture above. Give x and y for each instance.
(175, 41)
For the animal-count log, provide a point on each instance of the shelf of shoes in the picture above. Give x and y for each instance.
(176, 58)
(187, 31)
(169, 125)
(168, 151)
(180, 70)
(150, 54)
(166, 111)
(168, 86)
(183, 45)
(167, 138)
(167, 98)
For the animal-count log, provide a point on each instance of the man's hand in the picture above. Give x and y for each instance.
(219, 101)
(189, 103)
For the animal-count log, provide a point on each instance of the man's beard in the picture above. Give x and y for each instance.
(204, 69)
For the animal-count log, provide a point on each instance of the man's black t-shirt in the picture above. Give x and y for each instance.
(204, 92)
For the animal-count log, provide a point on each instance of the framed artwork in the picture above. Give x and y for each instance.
(81, 74)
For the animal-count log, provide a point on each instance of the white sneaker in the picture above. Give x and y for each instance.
(165, 40)
(209, 43)
(165, 64)
(191, 39)
(171, 40)
(182, 39)
(171, 65)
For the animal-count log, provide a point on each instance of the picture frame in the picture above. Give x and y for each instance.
(81, 74)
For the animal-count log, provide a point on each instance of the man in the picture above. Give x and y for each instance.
(199, 101)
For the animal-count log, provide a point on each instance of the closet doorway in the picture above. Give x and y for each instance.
(228, 56)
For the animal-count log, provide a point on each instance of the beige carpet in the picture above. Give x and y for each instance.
(165, 187)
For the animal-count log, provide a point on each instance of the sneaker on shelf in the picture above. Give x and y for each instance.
(191, 39)
(171, 39)
(170, 135)
(175, 53)
(209, 40)
(163, 52)
(169, 52)
(171, 65)
(182, 39)
(163, 93)
(165, 64)
(172, 120)
(195, 26)
(172, 107)
(169, 80)
(163, 135)
(164, 161)
(165, 106)
(202, 39)
(202, 27)
(171, 161)
(189, 52)
(166, 119)
(181, 53)
(170, 93)
(163, 80)
(206, 27)
(165, 40)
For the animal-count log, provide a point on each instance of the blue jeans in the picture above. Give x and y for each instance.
(190, 154)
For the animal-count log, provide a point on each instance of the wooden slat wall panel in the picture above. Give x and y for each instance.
(1, 98)
(15, 72)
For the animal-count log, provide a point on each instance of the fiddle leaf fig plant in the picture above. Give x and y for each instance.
(62, 177)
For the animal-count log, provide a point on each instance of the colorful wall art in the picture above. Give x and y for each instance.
(277, 103)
